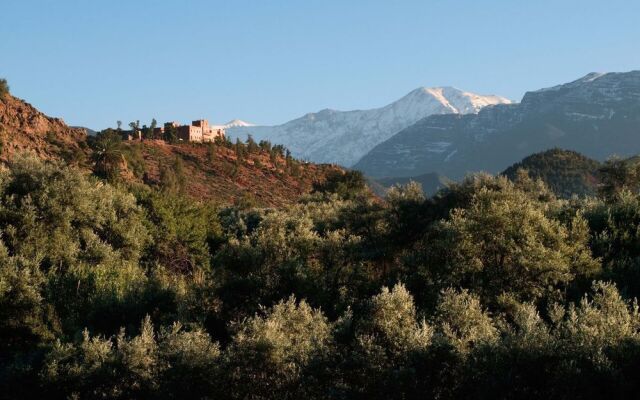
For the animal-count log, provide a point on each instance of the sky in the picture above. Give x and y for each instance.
(269, 61)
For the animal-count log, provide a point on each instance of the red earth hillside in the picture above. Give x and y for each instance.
(25, 129)
(214, 172)
(206, 172)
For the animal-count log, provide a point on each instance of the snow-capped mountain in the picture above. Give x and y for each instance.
(597, 115)
(237, 123)
(343, 137)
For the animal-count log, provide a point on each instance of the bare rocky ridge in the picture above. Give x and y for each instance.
(25, 129)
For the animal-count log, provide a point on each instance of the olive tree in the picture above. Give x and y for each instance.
(505, 241)
(270, 352)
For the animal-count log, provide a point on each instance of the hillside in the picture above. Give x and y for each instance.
(343, 137)
(565, 172)
(213, 172)
(597, 115)
(205, 172)
(24, 128)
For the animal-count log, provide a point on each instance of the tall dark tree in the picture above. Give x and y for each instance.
(618, 175)
(107, 154)
(170, 133)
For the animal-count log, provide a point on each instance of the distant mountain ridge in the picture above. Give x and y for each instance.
(597, 115)
(343, 137)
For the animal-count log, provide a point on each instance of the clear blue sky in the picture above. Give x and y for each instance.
(93, 62)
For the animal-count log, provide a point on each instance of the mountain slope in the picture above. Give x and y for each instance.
(342, 137)
(597, 115)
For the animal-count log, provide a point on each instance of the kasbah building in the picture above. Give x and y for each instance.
(198, 131)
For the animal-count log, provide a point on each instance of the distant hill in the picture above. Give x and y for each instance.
(597, 115)
(343, 137)
(431, 183)
(566, 172)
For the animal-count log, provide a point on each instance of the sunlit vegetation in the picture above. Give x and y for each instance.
(493, 288)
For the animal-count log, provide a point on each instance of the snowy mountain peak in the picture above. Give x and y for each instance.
(235, 123)
(342, 137)
(455, 100)
(590, 77)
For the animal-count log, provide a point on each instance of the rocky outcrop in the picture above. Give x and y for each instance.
(25, 129)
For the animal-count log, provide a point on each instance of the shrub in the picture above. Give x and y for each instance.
(346, 184)
(170, 364)
(270, 352)
(4, 88)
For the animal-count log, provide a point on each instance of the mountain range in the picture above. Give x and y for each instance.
(597, 115)
(343, 137)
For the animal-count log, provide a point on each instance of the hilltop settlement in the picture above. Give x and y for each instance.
(197, 131)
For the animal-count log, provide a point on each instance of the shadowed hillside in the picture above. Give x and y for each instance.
(565, 172)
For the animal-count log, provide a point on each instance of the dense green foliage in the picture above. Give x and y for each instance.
(493, 288)
(345, 184)
(431, 183)
(620, 175)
